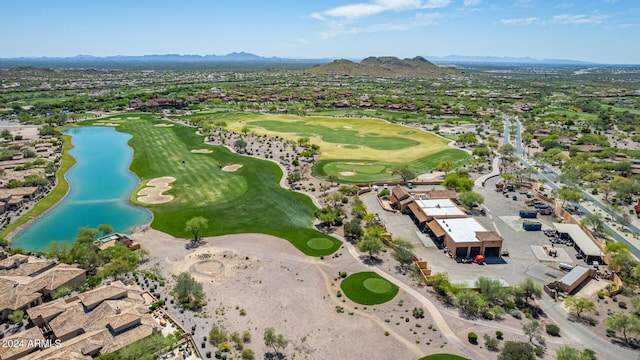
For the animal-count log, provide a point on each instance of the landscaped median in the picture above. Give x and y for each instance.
(368, 288)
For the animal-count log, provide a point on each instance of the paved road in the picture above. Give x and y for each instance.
(582, 336)
(441, 323)
(550, 176)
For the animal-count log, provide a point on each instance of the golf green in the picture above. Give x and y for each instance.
(378, 286)
(443, 357)
(368, 288)
(320, 243)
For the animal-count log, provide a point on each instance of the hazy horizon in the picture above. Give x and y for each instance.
(599, 31)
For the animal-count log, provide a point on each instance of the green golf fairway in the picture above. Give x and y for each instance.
(248, 200)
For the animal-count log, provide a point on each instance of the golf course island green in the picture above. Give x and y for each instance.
(368, 288)
(248, 199)
(355, 150)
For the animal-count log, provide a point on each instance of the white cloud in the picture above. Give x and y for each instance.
(578, 19)
(420, 19)
(361, 10)
(472, 2)
(523, 21)
(523, 3)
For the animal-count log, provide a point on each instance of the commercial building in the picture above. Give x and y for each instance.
(466, 238)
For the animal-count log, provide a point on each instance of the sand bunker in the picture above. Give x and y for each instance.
(105, 124)
(163, 125)
(211, 268)
(231, 168)
(347, 173)
(133, 118)
(201, 151)
(152, 194)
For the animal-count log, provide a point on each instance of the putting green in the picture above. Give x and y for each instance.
(368, 288)
(378, 286)
(443, 357)
(320, 243)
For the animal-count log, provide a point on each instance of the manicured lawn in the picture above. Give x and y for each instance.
(367, 147)
(557, 114)
(442, 357)
(377, 171)
(249, 200)
(368, 288)
(336, 135)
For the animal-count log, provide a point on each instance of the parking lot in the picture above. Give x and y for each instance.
(526, 258)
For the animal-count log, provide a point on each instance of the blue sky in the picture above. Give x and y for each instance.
(606, 31)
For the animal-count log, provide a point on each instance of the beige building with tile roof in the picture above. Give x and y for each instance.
(99, 321)
(26, 282)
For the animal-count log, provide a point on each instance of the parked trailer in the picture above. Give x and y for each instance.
(532, 225)
(545, 211)
(529, 214)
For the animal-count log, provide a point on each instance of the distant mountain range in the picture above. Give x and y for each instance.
(505, 60)
(386, 67)
(244, 57)
(231, 57)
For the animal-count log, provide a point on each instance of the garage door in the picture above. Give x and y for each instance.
(492, 251)
(461, 252)
(475, 250)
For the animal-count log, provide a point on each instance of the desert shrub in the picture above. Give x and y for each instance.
(499, 334)
(516, 314)
(538, 351)
(472, 337)
(418, 313)
(491, 343)
(343, 274)
(247, 354)
(552, 329)
(622, 304)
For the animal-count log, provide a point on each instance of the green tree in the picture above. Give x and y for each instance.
(115, 268)
(188, 291)
(492, 290)
(440, 283)
(532, 329)
(621, 322)
(506, 150)
(404, 172)
(444, 166)
(62, 291)
(578, 305)
(240, 144)
(459, 182)
(16, 316)
(515, 350)
(569, 194)
(275, 341)
(470, 198)
(194, 226)
(568, 353)
(403, 253)
(370, 244)
(527, 289)
(105, 229)
(353, 229)
(471, 303)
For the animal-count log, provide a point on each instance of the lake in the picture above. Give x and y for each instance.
(100, 185)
